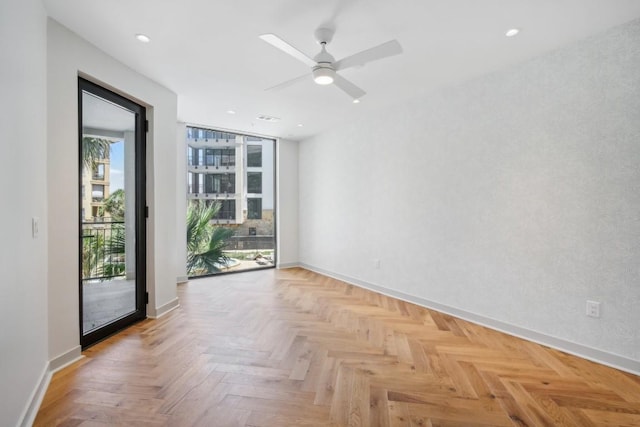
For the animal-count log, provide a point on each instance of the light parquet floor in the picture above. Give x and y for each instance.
(294, 348)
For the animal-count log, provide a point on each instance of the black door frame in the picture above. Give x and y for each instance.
(140, 211)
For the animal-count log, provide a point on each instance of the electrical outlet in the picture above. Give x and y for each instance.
(593, 309)
(376, 264)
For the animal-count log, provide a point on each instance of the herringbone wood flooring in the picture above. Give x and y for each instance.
(294, 348)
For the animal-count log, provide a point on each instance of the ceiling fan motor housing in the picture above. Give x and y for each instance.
(323, 73)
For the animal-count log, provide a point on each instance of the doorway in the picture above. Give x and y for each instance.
(112, 229)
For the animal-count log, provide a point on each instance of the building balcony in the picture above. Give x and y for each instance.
(212, 196)
(213, 143)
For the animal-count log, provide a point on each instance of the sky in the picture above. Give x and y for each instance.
(116, 176)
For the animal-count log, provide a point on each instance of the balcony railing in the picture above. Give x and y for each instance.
(250, 242)
(207, 134)
(103, 250)
(213, 163)
(210, 189)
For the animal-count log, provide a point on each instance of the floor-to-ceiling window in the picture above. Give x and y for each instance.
(231, 202)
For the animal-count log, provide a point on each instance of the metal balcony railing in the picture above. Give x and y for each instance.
(266, 242)
(103, 250)
(217, 162)
(210, 189)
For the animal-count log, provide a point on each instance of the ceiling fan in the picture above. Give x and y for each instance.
(324, 67)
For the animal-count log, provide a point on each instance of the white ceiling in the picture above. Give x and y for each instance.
(100, 114)
(209, 53)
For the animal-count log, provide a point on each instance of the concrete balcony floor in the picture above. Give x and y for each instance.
(106, 301)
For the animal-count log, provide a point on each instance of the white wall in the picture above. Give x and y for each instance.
(287, 202)
(514, 197)
(23, 260)
(181, 202)
(69, 55)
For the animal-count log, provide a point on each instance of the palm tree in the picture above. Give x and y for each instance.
(92, 254)
(205, 242)
(94, 149)
(114, 252)
(103, 252)
(114, 205)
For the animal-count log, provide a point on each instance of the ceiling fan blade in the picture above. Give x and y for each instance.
(289, 82)
(352, 90)
(276, 41)
(384, 50)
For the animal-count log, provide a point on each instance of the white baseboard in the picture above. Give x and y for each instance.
(65, 359)
(595, 355)
(30, 412)
(40, 390)
(164, 309)
(284, 265)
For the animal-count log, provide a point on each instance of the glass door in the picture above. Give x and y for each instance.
(112, 212)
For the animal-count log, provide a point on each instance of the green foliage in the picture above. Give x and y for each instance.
(94, 149)
(92, 253)
(103, 252)
(205, 242)
(114, 205)
(114, 252)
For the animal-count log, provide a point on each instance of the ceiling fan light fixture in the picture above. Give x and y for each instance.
(323, 75)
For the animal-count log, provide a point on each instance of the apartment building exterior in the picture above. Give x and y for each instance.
(238, 172)
(95, 189)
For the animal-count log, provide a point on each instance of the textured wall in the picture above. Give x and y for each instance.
(514, 196)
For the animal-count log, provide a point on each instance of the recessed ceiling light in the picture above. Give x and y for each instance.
(299, 125)
(356, 101)
(230, 112)
(143, 38)
(266, 118)
(512, 32)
